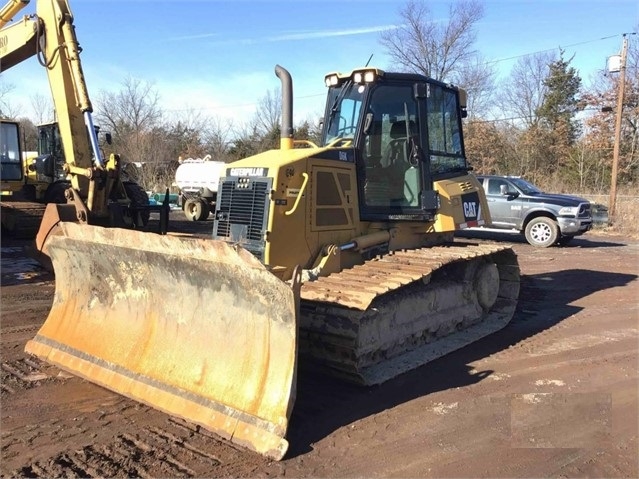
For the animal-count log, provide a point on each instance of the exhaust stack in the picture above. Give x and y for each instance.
(286, 137)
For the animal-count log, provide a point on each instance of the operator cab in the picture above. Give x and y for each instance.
(405, 130)
(10, 159)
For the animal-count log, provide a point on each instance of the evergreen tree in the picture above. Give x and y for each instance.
(558, 109)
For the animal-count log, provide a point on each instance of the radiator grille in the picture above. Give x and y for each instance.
(584, 210)
(241, 212)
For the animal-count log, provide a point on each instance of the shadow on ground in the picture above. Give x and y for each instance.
(325, 404)
(585, 241)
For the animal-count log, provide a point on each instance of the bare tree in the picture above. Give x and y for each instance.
(195, 135)
(523, 92)
(42, 108)
(7, 109)
(130, 111)
(129, 115)
(443, 50)
(478, 79)
(216, 135)
(269, 113)
(424, 45)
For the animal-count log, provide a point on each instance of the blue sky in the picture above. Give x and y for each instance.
(217, 57)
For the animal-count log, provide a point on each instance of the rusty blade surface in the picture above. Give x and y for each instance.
(195, 328)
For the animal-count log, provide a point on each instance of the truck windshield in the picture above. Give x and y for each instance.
(525, 187)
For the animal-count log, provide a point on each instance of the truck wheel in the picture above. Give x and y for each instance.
(542, 232)
(196, 209)
(138, 197)
(206, 210)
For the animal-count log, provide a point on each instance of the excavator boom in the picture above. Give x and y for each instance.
(97, 194)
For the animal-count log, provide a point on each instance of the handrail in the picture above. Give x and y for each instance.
(299, 195)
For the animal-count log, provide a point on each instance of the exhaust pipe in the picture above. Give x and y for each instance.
(286, 137)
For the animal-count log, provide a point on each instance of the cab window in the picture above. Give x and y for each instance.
(11, 168)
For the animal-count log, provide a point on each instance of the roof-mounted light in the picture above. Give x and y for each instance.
(331, 80)
(359, 77)
(366, 75)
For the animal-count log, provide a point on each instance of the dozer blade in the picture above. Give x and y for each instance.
(196, 328)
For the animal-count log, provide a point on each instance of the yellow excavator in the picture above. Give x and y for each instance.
(95, 192)
(339, 254)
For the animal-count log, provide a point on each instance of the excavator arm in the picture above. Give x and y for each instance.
(98, 195)
(49, 35)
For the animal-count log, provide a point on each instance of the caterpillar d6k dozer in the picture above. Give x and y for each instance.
(339, 254)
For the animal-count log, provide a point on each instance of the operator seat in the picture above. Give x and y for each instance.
(396, 152)
(401, 172)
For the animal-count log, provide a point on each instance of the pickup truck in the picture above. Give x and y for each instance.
(545, 219)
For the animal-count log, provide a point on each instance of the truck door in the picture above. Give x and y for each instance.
(505, 207)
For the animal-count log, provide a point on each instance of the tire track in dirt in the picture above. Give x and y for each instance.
(175, 449)
(26, 373)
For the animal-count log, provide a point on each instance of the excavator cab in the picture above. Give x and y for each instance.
(10, 154)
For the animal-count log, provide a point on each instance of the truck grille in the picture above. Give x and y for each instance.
(584, 210)
(241, 212)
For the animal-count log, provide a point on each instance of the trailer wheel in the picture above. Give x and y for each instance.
(196, 209)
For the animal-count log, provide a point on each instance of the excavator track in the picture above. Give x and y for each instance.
(398, 311)
(21, 219)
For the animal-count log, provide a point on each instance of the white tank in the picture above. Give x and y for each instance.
(199, 176)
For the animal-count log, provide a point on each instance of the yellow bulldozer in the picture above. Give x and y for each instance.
(339, 254)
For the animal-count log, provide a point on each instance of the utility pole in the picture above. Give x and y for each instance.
(615, 154)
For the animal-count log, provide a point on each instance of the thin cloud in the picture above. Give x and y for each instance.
(287, 37)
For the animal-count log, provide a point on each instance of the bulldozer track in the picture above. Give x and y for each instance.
(357, 287)
(393, 313)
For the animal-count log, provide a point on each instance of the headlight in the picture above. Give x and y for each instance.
(364, 76)
(331, 80)
(569, 211)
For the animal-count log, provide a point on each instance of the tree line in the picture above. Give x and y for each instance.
(540, 122)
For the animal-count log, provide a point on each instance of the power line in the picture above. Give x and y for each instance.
(586, 42)
(552, 49)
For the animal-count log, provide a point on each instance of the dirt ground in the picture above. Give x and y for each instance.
(554, 394)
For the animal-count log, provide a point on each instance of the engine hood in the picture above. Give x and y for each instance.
(559, 199)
